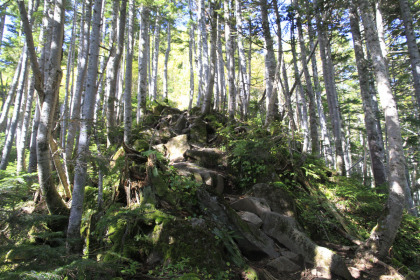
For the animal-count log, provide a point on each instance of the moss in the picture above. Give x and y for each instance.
(178, 240)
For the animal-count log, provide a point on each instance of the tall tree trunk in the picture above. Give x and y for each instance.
(285, 82)
(383, 235)
(74, 243)
(375, 149)
(32, 162)
(413, 49)
(165, 65)
(230, 59)
(10, 135)
(300, 96)
(83, 52)
(322, 119)
(220, 70)
(129, 74)
(309, 90)
(2, 21)
(213, 41)
(191, 45)
(21, 141)
(112, 71)
(333, 106)
(155, 66)
(11, 94)
(70, 64)
(242, 59)
(48, 98)
(144, 50)
(270, 65)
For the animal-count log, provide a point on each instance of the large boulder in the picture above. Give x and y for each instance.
(278, 200)
(251, 218)
(252, 204)
(202, 175)
(284, 229)
(251, 241)
(176, 147)
(283, 264)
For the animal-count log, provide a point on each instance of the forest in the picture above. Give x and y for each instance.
(210, 139)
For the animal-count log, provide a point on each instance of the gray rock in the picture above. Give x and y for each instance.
(251, 218)
(278, 200)
(254, 205)
(296, 258)
(201, 175)
(249, 239)
(285, 230)
(176, 147)
(283, 264)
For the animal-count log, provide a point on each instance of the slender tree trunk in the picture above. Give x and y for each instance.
(270, 65)
(74, 124)
(333, 106)
(413, 49)
(230, 61)
(129, 74)
(70, 63)
(144, 50)
(32, 163)
(191, 55)
(383, 235)
(242, 59)
(165, 65)
(16, 109)
(11, 94)
(375, 149)
(153, 82)
(322, 119)
(21, 141)
(74, 243)
(300, 96)
(213, 41)
(2, 21)
(309, 91)
(220, 70)
(112, 71)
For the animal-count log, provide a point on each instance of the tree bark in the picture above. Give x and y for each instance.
(270, 65)
(242, 59)
(413, 49)
(83, 52)
(11, 94)
(333, 106)
(383, 235)
(112, 71)
(129, 74)
(220, 70)
(230, 61)
(326, 145)
(144, 50)
(74, 243)
(10, 135)
(375, 149)
(155, 62)
(309, 90)
(165, 65)
(213, 41)
(191, 45)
